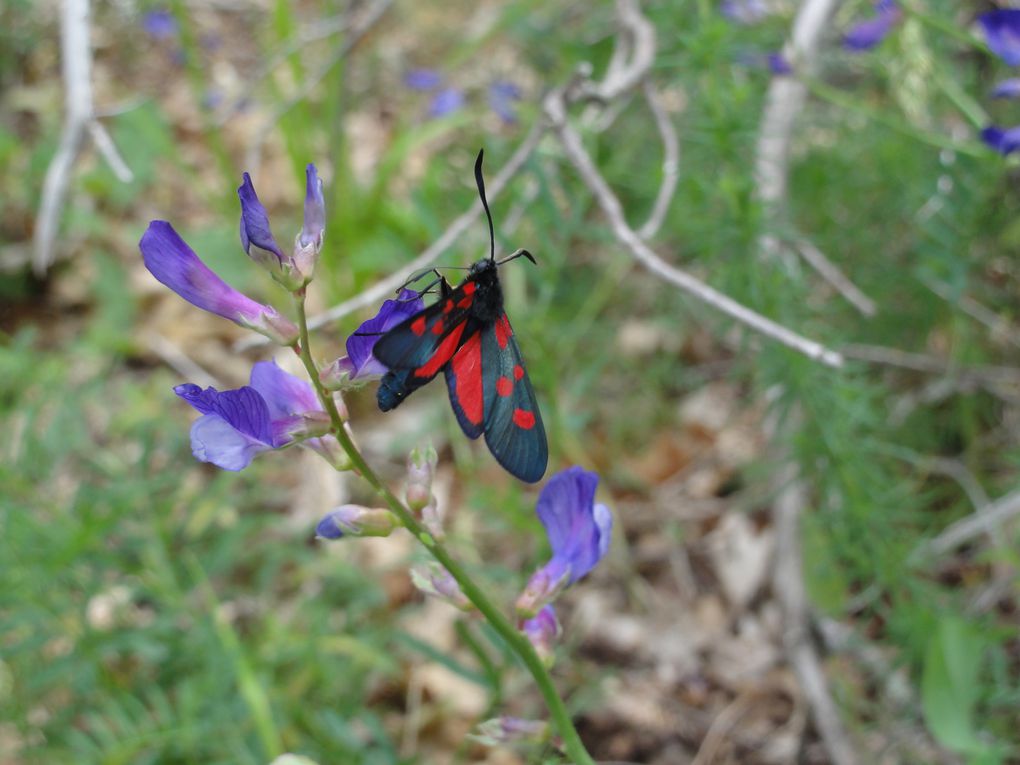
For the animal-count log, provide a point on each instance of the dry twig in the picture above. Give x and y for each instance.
(555, 108)
(76, 66)
(358, 30)
(987, 520)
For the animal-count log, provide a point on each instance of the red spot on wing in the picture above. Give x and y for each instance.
(467, 369)
(524, 419)
(448, 306)
(442, 353)
(437, 329)
(465, 302)
(469, 288)
(518, 371)
(504, 386)
(503, 331)
(418, 325)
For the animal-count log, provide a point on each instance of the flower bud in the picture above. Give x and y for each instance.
(511, 730)
(542, 632)
(435, 581)
(308, 242)
(421, 466)
(543, 587)
(418, 497)
(356, 521)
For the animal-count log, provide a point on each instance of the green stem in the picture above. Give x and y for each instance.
(518, 643)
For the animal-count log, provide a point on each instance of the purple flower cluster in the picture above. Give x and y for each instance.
(448, 99)
(275, 409)
(1001, 29)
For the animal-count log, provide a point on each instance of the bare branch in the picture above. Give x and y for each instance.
(613, 210)
(997, 325)
(831, 273)
(987, 520)
(670, 162)
(374, 13)
(386, 287)
(918, 362)
(76, 67)
(788, 588)
(785, 99)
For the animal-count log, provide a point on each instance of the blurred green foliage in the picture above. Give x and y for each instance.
(121, 556)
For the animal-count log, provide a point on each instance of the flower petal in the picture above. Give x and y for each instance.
(285, 395)
(215, 440)
(1002, 32)
(255, 222)
(745, 11)
(360, 361)
(243, 409)
(503, 94)
(578, 532)
(176, 265)
(1007, 89)
(446, 101)
(869, 33)
(1003, 141)
(423, 79)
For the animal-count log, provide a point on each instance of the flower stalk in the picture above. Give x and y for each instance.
(517, 641)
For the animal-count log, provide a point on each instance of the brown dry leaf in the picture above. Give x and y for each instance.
(434, 624)
(709, 409)
(740, 557)
(740, 661)
(665, 456)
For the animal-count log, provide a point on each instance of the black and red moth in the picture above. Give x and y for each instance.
(466, 335)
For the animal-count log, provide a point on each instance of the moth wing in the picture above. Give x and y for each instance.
(511, 420)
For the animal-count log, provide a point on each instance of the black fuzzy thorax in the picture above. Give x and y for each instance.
(487, 305)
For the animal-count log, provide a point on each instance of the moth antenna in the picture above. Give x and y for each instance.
(515, 255)
(485, 203)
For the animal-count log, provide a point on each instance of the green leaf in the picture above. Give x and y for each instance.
(949, 686)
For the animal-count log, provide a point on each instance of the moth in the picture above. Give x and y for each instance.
(466, 335)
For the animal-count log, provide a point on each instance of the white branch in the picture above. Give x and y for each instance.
(613, 210)
(788, 588)
(987, 520)
(76, 67)
(831, 273)
(670, 163)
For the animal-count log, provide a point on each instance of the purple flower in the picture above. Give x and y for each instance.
(446, 101)
(1002, 32)
(578, 531)
(255, 231)
(176, 265)
(542, 631)
(423, 79)
(502, 97)
(745, 11)
(160, 24)
(1003, 141)
(1007, 89)
(778, 64)
(359, 361)
(869, 33)
(274, 410)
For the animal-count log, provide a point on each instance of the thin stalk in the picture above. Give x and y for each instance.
(518, 643)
